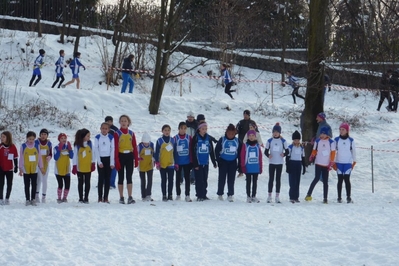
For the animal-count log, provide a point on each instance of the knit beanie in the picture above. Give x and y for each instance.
(62, 135)
(200, 117)
(42, 52)
(324, 130)
(251, 132)
(247, 112)
(190, 114)
(296, 135)
(277, 128)
(345, 125)
(145, 138)
(43, 130)
(322, 115)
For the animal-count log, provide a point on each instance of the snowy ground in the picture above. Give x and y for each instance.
(198, 233)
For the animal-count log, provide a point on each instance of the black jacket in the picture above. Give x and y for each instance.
(127, 64)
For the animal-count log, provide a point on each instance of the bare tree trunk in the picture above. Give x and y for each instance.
(80, 22)
(71, 17)
(62, 37)
(316, 54)
(159, 80)
(39, 13)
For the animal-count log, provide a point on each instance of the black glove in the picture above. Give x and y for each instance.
(15, 169)
(287, 168)
(215, 165)
(223, 85)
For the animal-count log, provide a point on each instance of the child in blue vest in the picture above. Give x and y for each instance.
(276, 149)
(84, 162)
(59, 69)
(345, 161)
(146, 166)
(201, 150)
(29, 164)
(183, 160)
(36, 68)
(295, 164)
(227, 155)
(164, 161)
(251, 164)
(104, 151)
(75, 65)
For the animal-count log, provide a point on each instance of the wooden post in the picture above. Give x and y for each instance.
(108, 77)
(181, 85)
(372, 169)
(272, 90)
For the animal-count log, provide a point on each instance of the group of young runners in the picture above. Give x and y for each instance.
(189, 152)
(60, 64)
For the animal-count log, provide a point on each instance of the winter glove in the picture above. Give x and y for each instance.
(15, 169)
(311, 158)
(335, 167)
(84, 68)
(215, 165)
(157, 165)
(353, 165)
(74, 170)
(93, 167)
(69, 146)
(48, 158)
(176, 167)
(223, 85)
(59, 147)
(303, 170)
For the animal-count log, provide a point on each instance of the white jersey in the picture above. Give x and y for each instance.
(346, 150)
(276, 147)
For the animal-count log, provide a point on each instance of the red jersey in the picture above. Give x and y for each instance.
(7, 156)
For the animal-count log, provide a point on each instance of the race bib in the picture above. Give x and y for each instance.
(32, 158)
(179, 148)
(43, 152)
(252, 154)
(326, 153)
(84, 154)
(147, 152)
(10, 156)
(233, 149)
(276, 148)
(169, 147)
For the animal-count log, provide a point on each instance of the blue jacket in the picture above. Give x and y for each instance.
(75, 65)
(201, 149)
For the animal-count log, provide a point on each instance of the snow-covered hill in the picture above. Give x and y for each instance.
(197, 233)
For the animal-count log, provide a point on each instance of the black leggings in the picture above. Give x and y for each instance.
(254, 179)
(61, 180)
(9, 176)
(126, 161)
(228, 89)
(56, 81)
(146, 187)
(30, 179)
(345, 178)
(39, 77)
(84, 179)
(185, 169)
(295, 92)
(278, 169)
(104, 178)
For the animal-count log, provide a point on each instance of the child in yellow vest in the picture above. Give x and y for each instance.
(63, 152)
(83, 163)
(164, 161)
(45, 148)
(29, 164)
(126, 157)
(146, 165)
